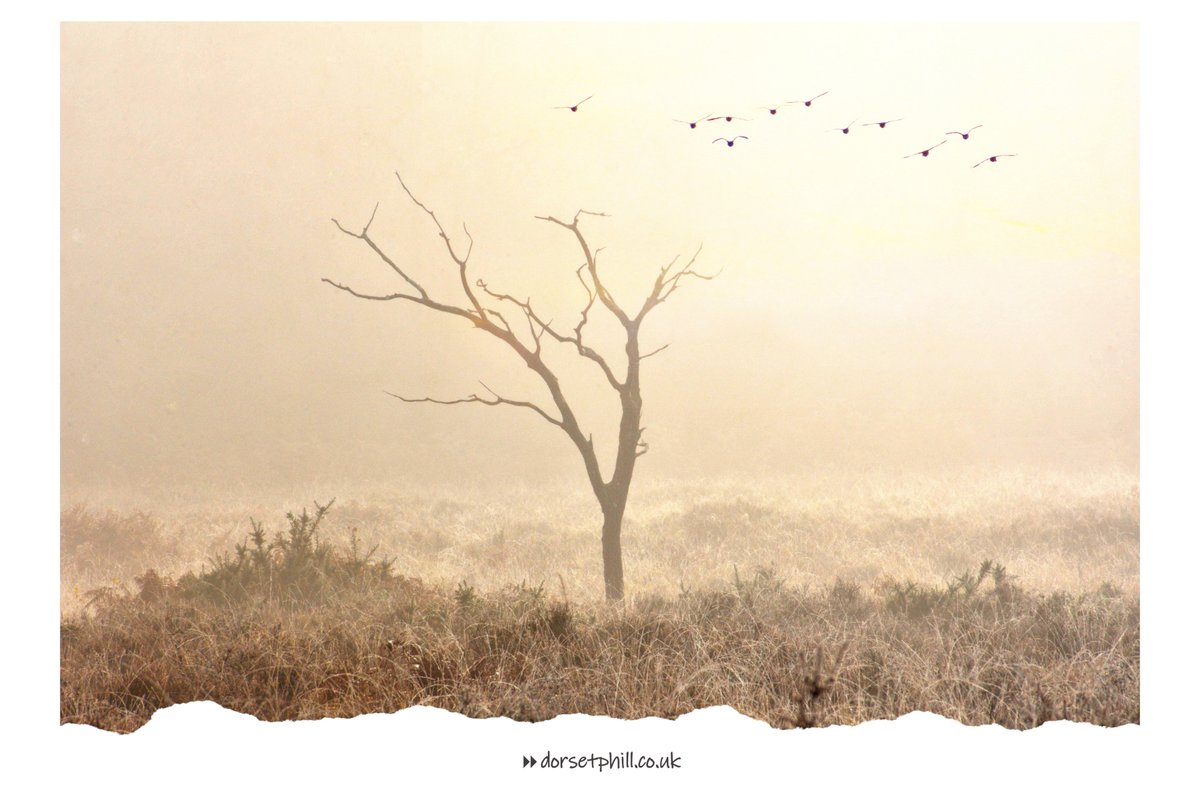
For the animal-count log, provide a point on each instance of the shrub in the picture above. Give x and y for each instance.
(296, 565)
(917, 600)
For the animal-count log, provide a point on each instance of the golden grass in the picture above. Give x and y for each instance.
(789, 657)
(742, 593)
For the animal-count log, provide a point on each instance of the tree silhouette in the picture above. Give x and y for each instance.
(480, 305)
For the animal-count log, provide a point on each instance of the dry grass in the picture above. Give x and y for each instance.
(874, 605)
(789, 657)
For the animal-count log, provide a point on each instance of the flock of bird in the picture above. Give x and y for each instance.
(845, 129)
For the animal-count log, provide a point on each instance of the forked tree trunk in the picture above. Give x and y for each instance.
(614, 494)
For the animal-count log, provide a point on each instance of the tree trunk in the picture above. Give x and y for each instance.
(614, 570)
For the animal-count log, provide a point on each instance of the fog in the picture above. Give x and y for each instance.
(870, 309)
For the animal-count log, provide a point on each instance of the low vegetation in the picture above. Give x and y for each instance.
(94, 542)
(292, 625)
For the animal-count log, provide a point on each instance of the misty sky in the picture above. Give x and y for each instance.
(871, 309)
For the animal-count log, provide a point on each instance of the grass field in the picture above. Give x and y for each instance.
(1001, 596)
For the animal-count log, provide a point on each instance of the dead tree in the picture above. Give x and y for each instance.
(484, 308)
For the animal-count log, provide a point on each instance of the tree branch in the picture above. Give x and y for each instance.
(461, 262)
(590, 258)
(424, 301)
(495, 400)
(545, 327)
(531, 316)
(652, 352)
(348, 290)
(365, 236)
(667, 282)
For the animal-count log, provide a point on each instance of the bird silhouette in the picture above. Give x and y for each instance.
(727, 119)
(809, 101)
(575, 107)
(843, 130)
(993, 158)
(965, 135)
(925, 153)
(729, 141)
(882, 124)
(693, 125)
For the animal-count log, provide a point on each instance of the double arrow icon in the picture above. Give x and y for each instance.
(527, 761)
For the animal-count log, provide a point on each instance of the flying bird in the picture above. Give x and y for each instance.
(809, 101)
(727, 119)
(729, 141)
(925, 153)
(693, 125)
(575, 107)
(966, 135)
(843, 130)
(882, 124)
(993, 158)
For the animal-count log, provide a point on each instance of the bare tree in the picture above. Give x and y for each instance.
(481, 306)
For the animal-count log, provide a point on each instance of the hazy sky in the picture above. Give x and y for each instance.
(870, 308)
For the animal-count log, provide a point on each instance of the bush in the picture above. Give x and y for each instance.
(296, 565)
(917, 600)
